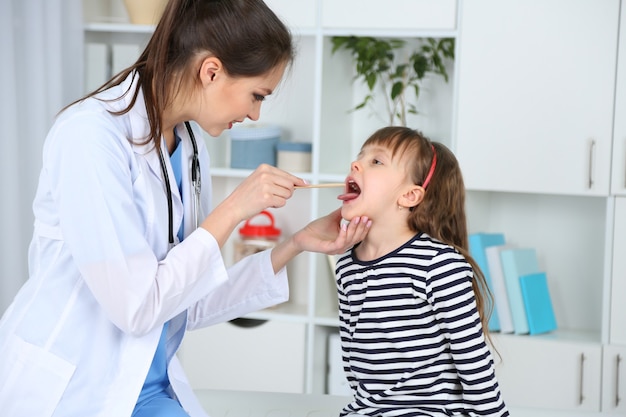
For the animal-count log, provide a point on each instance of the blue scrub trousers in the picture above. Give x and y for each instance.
(154, 400)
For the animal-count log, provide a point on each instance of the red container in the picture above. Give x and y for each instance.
(256, 235)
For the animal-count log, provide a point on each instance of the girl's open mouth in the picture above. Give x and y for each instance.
(352, 191)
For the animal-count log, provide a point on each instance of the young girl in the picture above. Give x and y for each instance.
(411, 298)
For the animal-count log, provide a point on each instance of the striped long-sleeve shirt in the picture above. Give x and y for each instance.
(412, 341)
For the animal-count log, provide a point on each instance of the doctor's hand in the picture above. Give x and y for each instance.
(325, 235)
(330, 236)
(266, 187)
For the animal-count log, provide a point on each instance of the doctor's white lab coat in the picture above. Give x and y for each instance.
(80, 336)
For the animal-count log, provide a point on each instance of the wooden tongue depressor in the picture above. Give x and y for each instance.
(324, 185)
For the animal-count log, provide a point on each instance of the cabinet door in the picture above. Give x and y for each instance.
(618, 275)
(535, 95)
(300, 15)
(537, 372)
(618, 175)
(614, 379)
(371, 15)
(225, 356)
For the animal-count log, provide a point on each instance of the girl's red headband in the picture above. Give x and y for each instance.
(433, 164)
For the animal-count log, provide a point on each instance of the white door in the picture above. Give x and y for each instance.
(535, 95)
(542, 372)
(246, 357)
(614, 379)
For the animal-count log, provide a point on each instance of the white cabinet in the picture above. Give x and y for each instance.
(298, 15)
(267, 356)
(614, 379)
(543, 372)
(371, 15)
(535, 95)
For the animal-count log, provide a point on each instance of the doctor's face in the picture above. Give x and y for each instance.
(227, 100)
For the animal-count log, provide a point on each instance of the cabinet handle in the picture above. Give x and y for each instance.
(592, 149)
(617, 366)
(581, 397)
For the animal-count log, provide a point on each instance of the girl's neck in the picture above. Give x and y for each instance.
(382, 241)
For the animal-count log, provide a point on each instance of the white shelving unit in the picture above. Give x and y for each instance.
(539, 122)
(532, 112)
(313, 105)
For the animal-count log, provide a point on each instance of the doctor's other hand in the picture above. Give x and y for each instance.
(330, 236)
(266, 187)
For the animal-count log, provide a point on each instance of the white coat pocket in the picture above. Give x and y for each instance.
(34, 379)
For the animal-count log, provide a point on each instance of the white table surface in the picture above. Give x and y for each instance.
(226, 403)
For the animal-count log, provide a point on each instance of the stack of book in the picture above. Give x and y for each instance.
(522, 302)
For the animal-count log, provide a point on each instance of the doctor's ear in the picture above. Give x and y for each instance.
(209, 69)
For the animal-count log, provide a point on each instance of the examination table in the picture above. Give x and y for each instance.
(225, 403)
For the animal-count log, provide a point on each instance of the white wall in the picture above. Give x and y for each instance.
(42, 50)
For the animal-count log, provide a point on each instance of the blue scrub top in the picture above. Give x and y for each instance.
(157, 381)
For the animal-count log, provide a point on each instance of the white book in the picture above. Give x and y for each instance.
(500, 294)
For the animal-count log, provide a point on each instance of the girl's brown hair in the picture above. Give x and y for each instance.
(245, 35)
(441, 214)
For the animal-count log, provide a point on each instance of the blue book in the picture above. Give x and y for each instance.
(478, 243)
(516, 263)
(538, 303)
(499, 287)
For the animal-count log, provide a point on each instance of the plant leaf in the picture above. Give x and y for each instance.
(420, 65)
(370, 78)
(397, 89)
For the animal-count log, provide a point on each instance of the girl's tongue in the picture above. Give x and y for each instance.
(348, 196)
(352, 191)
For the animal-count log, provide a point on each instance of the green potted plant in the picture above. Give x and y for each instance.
(385, 65)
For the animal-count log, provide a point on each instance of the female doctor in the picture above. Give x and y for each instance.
(125, 257)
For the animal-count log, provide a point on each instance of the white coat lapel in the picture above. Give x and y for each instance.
(140, 129)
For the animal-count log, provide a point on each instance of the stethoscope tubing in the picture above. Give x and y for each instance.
(196, 184)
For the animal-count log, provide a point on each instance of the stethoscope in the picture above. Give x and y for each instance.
(196, 184)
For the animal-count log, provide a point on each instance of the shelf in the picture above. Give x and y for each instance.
(109, 27)
(244, 173)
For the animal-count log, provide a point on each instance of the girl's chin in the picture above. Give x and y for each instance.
(347, 211)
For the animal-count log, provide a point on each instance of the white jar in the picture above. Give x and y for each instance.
(294, 156)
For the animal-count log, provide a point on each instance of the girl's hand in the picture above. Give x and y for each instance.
(330, 236)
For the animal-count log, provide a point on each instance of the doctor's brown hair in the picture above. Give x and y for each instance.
(441, 214)
(245, 35)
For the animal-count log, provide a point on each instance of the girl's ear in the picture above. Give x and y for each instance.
(413, 197)
(209, 69)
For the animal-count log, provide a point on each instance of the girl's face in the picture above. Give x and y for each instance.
(376, 184)
(225, 100)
